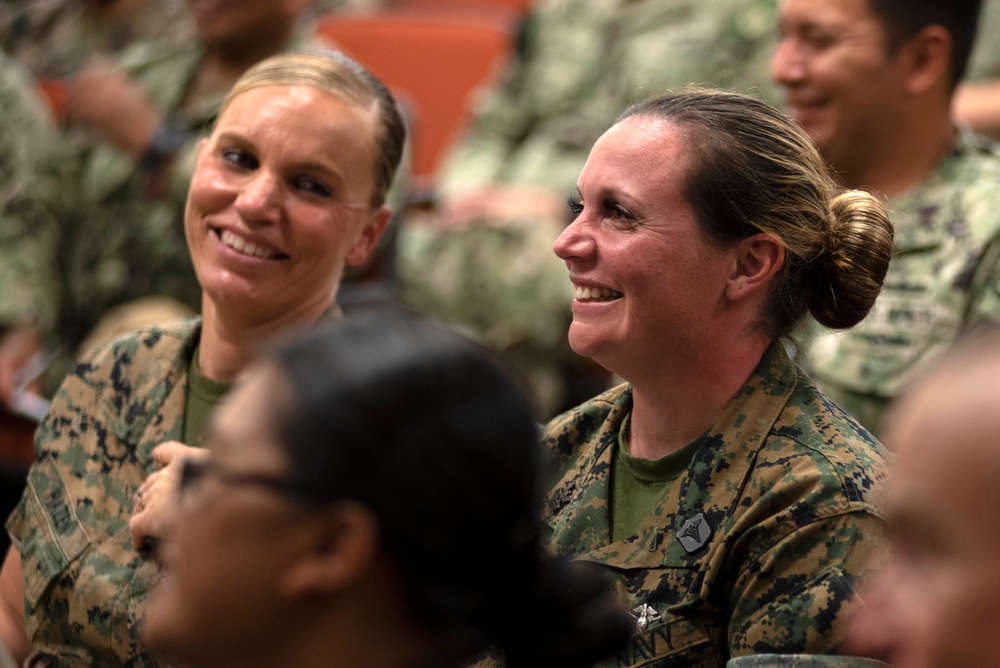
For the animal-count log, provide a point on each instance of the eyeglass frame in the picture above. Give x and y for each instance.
(193, 470)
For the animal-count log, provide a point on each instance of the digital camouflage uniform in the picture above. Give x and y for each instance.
(944, 277)
(56, 37)
(84, 584)
(580, 64)
(28, 182)
(802, 661)
(758, 545)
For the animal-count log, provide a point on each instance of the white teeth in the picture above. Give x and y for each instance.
(596, 294)
(241, 245)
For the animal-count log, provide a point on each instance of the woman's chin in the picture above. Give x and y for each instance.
(585, 341)
(160, 629)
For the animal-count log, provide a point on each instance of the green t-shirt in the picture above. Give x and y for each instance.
(638, 485)
(202, 396)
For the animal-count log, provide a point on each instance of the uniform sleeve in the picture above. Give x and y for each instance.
(49, 524)
(797, 583)
(28, 229)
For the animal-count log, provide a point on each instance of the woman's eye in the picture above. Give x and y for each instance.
(240, 158)
(615, 210)
(311, 186)
(575, 206)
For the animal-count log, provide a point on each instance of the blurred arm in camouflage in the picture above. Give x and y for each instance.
(54, 38)
(29, 162)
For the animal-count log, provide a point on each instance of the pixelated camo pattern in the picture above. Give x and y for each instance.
(85, 585)
(789, 486)
(28, 180)
(944, 277)
(56, 37)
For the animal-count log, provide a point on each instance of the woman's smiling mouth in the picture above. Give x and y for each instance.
(241, 245)
(586, 294)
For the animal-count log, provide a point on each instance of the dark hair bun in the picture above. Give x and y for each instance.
(849, 275)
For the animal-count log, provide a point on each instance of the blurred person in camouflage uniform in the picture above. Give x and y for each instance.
(484, 261)
(55, 38)
(733, 505)
(29, 150)
(133, 128)
(937, 603)
(287, 190)
(871, 82)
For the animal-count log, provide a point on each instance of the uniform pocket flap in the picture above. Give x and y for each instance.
(54, 536)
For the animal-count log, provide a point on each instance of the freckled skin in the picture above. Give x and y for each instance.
(651, 250)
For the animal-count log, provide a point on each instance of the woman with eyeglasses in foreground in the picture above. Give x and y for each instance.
(371, 499)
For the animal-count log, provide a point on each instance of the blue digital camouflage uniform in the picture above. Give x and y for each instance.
(28, 182)
(579, 65)
(756, 548)
(943, 279)
(85, 585)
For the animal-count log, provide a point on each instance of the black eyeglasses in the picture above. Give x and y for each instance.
(194, 470)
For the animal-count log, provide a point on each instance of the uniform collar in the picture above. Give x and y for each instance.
(708, 490)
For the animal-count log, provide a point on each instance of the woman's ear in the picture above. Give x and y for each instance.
(758, 258)
(369, 237)
(344, 548)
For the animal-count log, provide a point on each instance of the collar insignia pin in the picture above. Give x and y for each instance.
(695, 533)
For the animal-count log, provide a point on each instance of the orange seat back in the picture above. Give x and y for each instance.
(432, 61)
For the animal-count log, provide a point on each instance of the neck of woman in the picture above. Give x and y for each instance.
(680, 399)
(230, 341)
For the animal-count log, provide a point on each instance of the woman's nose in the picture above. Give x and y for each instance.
(259, 198)
(575, 243)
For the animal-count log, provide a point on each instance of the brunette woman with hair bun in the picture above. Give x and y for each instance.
(733, 504)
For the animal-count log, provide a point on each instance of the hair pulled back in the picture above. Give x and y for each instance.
(423, 427)
(339, 75)
(753, 170)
